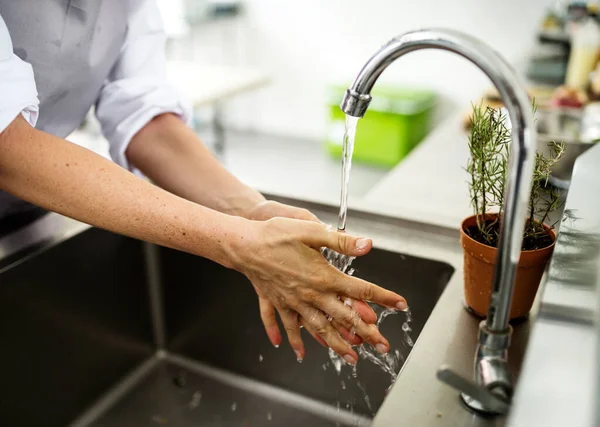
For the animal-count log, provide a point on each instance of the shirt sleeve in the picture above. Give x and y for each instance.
(136, 90)
(17, 84)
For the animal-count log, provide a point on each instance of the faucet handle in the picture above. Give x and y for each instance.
(476, 397)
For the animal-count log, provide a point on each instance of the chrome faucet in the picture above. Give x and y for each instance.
(492, 391)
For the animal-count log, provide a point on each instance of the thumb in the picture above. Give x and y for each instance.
(347, 244)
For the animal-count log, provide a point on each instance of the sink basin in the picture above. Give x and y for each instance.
(212, 316)
(79, 338)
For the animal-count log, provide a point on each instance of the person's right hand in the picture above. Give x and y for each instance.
(282, 259)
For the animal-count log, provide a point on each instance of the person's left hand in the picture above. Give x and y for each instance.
(270, 209)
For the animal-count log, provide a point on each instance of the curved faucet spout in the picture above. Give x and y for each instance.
(519, 180)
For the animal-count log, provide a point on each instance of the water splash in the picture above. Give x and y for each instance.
(347, 150)
(340, 261)
(366, 395)
(389, 363)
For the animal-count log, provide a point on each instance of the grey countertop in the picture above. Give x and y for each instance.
(560, 376)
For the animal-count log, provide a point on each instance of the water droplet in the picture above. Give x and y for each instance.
(196, 398)
(159, 419)
(336, 361)
(233, 406)
(343, 385)
(269, 416)
(260, 357)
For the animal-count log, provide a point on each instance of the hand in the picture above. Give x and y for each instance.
(267, 314)
(269, 209)
(281, 258)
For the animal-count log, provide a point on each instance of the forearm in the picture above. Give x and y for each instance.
(63, 177)
(172, 156)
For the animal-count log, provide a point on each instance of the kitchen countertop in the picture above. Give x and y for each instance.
(564, 340)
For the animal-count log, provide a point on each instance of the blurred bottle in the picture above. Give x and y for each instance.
(585, 49)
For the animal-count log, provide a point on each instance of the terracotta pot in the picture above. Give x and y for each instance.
(479, 264)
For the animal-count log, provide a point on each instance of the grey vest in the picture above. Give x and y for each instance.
(72, 46)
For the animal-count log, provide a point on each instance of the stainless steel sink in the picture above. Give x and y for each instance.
(83, 323)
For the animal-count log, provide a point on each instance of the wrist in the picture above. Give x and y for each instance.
(236, 236)
(249, 204)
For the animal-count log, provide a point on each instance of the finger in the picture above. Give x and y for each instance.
(321, 326)
(312, 332)
(349, 318)
(366, 313)
(318, 236)
(289, 318)
(267, 314)
(359, 289)
(351, 336)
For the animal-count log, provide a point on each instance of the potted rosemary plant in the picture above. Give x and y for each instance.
(489, 145)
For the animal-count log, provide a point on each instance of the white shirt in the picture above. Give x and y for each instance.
(133, 93)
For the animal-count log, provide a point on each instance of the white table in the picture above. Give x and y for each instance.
(203, 85)
(210, 84)
(213, 85)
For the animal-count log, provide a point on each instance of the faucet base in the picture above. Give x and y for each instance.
(476, 406)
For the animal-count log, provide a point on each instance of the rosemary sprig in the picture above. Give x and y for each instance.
(489, 145)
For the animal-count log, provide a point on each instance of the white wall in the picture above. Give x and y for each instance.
(307, 44)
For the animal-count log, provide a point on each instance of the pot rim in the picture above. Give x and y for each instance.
(551, 232)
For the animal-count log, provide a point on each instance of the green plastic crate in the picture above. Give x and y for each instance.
(397, 120)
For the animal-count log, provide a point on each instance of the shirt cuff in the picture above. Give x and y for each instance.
(19, 93)
(126, 106)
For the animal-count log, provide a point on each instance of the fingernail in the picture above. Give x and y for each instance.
(381, 348)
(350, 359)
(401, 305)
(298, 356)
(362, 243)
